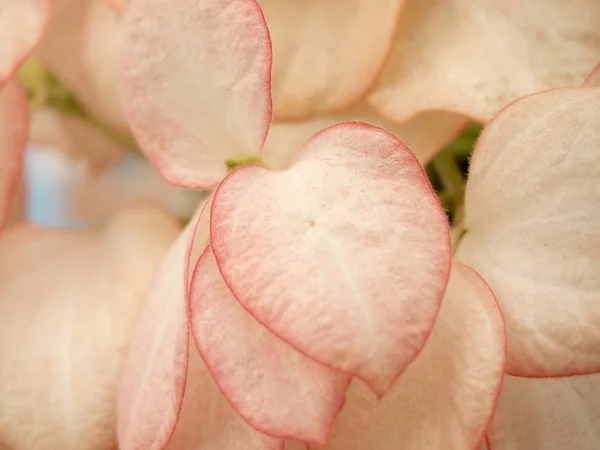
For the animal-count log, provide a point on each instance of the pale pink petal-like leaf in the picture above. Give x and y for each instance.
(153, 385)
(82, 47)
(14, 123)
(70, 301)
(209, 422)
(475, 57)
(426, 134)
(446, 397)
(275, 388)
(547, 414)
(327, 53)
(345, 255)
(533, 228)
(593, 79)
(22, 23)
(196, 84)
(73, 136)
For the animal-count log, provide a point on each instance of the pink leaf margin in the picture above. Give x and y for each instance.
(208, 366)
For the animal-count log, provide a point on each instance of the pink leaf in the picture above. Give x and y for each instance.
(345, 255)
(446, 397)
(426, 134)
(548, 414)
(533, 228)
(14, 131)
(22, 23)
(327, 54)
(69, 304)
(196, 84)
(476, 57)
(276, 389)
(209, 422)
(155, 373)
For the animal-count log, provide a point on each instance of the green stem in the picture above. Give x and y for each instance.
(44, 89)
(234, 163)
(462, 147)
(451, 178)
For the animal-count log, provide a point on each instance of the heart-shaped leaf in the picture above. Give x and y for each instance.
(345, 255)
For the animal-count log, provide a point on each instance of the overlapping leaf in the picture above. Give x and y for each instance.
(196, 85)
(327, 53)
(69, 303)
(277, 389)
(208, 421)
(151, 394)
(476, 57)
(549, 414)
(447, 396)
(533, 228)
